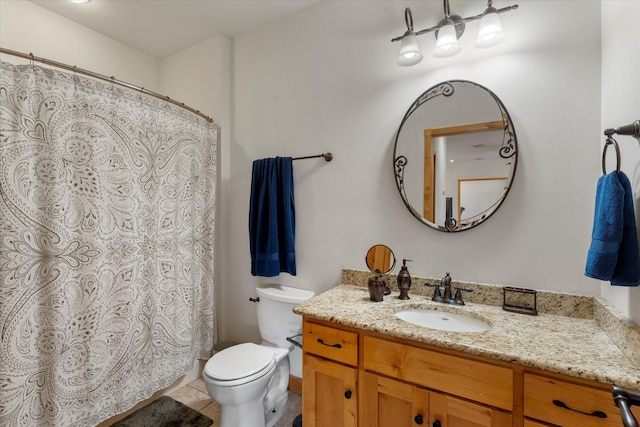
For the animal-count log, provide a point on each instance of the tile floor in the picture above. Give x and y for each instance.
(195, 396)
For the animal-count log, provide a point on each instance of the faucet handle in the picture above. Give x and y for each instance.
(437, 296)
(457, 299)
(446, 280)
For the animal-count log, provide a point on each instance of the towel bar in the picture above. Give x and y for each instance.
(327, 157)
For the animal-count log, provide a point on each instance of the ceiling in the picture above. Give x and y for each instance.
(161, 28)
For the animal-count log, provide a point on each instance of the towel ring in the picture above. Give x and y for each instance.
(609, 142)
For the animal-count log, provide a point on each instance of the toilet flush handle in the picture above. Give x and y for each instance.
(254, 299)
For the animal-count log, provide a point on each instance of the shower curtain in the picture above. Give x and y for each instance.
(107, 205)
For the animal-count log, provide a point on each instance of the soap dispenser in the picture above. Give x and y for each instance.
(404, 280)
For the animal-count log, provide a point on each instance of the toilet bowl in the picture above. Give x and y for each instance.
(248, 380)
(239, 378)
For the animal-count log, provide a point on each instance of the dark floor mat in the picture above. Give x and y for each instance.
(165, 412)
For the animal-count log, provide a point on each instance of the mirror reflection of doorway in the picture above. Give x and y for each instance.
(439, 143)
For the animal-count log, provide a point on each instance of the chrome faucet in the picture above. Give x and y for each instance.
(445, 282)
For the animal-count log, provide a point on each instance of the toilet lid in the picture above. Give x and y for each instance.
(239, 361)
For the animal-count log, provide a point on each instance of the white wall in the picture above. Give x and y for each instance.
(29, 28)
(621, 106)
(201, 77)
(325, 79)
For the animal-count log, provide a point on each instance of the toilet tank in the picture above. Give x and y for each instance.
(276, 319)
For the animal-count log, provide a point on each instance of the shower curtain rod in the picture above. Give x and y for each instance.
(111, 79)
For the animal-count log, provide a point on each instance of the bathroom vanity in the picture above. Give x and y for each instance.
(362, 366)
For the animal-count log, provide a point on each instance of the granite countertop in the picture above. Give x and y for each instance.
(578, 347)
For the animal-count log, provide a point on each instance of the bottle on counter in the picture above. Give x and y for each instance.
(404, 280)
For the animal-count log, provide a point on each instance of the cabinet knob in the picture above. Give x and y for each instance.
(418, 419)
(436, 423)
(347, 394)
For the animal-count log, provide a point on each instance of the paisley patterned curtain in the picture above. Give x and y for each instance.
(107, 205)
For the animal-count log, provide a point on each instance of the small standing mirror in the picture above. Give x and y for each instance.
(380, 259)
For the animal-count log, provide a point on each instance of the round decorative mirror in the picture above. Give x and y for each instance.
(380, 259)
(455, 156)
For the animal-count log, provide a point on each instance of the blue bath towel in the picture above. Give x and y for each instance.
(613, 254)
(272, 218)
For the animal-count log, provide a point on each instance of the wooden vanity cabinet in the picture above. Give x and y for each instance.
(353, 379)
(357, 378)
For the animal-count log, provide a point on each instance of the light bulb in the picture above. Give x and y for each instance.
(409, 51)
(447, 41)
(490, 33)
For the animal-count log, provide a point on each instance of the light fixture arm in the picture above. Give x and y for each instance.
(409, 18)
(447, 11)
(501, 10)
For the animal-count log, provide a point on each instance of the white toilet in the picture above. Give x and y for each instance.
(248, 380)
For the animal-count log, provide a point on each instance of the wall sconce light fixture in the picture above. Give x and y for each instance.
(448, 31)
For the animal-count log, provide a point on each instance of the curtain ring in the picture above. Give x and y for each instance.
(610, 141)
(33, 61)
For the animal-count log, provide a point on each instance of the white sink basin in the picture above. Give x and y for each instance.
(443, 320)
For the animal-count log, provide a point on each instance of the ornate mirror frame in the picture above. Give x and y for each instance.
(507, 151)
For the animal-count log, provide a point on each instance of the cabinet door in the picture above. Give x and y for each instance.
(447, 411)
(329, 393)
(390, 403)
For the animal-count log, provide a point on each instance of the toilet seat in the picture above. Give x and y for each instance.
(240, 364)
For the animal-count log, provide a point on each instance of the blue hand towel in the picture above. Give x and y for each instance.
(607, 228)
(272, 218)
(613, 223)
(627, 271)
